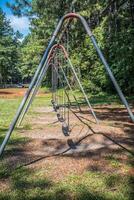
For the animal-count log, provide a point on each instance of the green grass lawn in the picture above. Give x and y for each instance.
(30, 184)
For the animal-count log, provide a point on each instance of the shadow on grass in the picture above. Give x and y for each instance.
(13, 154)
(103, 99)
(26, 185)
(29, 184)
(130, 190)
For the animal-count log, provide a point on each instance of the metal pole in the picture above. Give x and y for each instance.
(81, 87)
(35, 90)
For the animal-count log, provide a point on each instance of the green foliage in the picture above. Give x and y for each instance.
(113, 25)
(9, 52)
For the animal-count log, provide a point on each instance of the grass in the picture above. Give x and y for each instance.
(30, 184)
(25, 183)
(101, 98)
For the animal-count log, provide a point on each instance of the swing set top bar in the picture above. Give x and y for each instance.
(45, 56)
(57, 46)
(71, 16)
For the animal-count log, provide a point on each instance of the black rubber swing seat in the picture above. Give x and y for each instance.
(65, 129)
(52, 101)
(60, 118)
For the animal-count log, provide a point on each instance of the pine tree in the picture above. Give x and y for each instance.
(8, 51)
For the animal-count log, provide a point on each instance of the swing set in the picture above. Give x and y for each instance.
(56, 59)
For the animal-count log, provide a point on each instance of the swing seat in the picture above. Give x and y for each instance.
(60, 118)
(65, 129)
(52, 101)
(57, 107)
(54, 107)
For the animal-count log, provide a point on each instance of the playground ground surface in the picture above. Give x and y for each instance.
(92, 162)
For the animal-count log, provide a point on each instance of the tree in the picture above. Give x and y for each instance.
(112, 23)
(8, 51)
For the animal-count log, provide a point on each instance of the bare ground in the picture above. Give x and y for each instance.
(105, 147)
(88, 146)
(10, 93)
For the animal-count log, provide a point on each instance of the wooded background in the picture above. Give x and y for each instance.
(112, 22)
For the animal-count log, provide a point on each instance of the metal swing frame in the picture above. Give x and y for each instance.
(40, 67)
(43, 73)
(41, 76)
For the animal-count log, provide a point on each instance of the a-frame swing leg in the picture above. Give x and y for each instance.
(34, 92)
(82, 89)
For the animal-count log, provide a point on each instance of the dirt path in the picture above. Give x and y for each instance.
(87, 147)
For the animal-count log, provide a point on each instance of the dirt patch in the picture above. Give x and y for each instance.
(102, 148)
(86, 146)
(16, 92)
(12, 92)
(4, 185)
